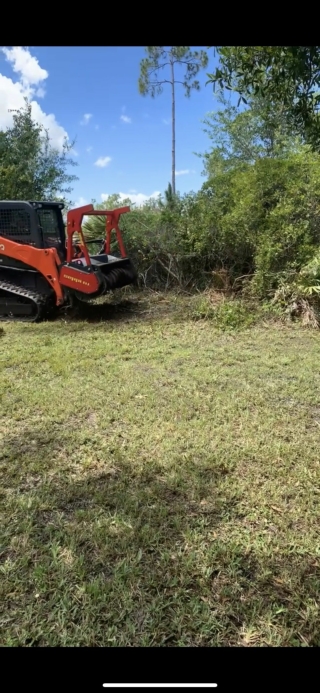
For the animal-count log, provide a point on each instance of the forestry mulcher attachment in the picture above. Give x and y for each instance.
(41, 269)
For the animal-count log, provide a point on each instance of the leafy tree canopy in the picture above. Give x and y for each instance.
(286, 75)
(30, 167)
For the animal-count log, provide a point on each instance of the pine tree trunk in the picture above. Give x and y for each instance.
(173, 119)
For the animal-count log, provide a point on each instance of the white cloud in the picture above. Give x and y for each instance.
(40, 93)
(103, 161)
(89, 149)
(80, 202)
(86, 118)
(136, 198)
(124, 118)
(25, 65)
(28, 84)
(184, 172)
(166, 121)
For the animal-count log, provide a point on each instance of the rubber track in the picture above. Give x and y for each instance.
(40, 301)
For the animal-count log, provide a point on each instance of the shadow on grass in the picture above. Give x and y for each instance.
(123, 309)
(130, 555)
(147, 306)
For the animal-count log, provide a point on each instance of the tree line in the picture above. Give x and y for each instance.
(254, 225)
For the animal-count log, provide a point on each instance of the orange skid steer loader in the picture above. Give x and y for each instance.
(41, 269)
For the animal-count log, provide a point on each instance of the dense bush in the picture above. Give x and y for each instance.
(259, 221)
(254, 223)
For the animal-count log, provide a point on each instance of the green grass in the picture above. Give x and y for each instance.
(159, 482)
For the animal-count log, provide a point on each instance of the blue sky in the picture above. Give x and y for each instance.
(123, 140)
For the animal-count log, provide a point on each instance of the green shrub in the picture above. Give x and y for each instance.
(234, 314)
(203, 308)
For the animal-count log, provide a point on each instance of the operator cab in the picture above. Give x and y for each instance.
(51, 225)
(39, 224)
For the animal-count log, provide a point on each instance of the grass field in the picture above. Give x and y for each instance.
(160, 482)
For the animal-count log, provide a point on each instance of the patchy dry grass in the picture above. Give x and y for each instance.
(159, 482)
